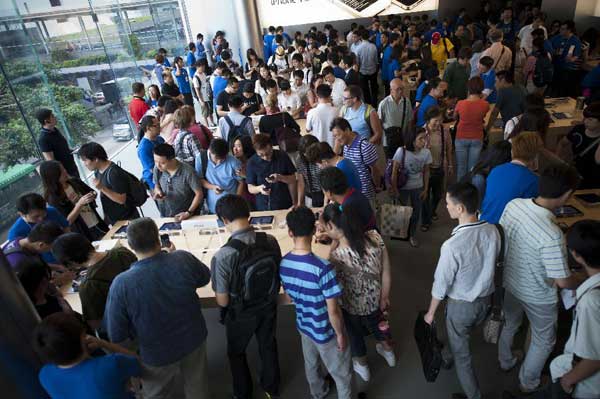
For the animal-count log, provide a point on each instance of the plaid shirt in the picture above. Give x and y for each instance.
(187, 147)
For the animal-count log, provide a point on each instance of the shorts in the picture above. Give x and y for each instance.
(206, 108)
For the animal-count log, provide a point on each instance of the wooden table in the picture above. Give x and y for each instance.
(558, 128)
(203, 244)
(589, 212)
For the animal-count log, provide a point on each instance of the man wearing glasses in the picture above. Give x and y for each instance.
(177, 188)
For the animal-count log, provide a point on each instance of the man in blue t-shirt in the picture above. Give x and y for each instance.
(70, 372)
(32, 209)
(514, 179)
(335, 188)
(183, 81)
(488, 75)
(436, 89)
(509, 27)
(219, 176)
(268, 42)
(190, 61)
(567, 61)
(310, 283)
(200, 52)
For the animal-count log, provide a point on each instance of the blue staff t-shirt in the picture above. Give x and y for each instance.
(505, 183)
(428, 102)
(351, 173)
(183, 81)
(95, 378)
(489, 83)
(21, 229)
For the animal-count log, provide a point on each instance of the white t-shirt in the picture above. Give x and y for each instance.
(526, 39)
(536, 253)
(584, 340)
(301, 91)
(289, 103)
(200, 81)
(318, 121)
(414, 164)
(337, 92)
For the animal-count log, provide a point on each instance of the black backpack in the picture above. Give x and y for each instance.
(254, 280)
(236, 131)
(136, 193)
(543, 73)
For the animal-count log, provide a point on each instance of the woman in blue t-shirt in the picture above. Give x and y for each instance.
(70, 372)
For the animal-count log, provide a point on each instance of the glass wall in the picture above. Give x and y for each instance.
(79, 59)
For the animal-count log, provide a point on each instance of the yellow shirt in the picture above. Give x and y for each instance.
(439, 54)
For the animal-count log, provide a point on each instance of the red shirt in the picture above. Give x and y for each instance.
(471, 116)
(137, 109)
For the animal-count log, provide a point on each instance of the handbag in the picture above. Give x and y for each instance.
(493, 325)
(287, 138)
(402, 177)
(429, 347)
(395, 220)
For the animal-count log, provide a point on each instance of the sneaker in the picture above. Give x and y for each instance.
(434, 217)
(389, 356)
(424, 227)
(544, 381)
(362, 370)
(413, 242)
(271, 396)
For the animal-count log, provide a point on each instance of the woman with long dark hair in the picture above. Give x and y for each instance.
(243, 149)
(148, 137)
(74, 199)
(362, 268)
(153, 96)
(252, 65)
(261, 83)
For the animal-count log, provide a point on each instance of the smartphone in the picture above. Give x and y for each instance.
(164, 241)
(593, 199)
(567, 211)
(262, 220)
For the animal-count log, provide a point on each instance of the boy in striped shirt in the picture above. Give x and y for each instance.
(535, 265)
(310, 283)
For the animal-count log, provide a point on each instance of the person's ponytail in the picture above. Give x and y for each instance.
(347, 219)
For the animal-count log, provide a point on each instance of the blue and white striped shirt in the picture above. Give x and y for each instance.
(363, 154)
(309, 281)
(536, 252)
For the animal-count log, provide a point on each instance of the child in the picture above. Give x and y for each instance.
(60, 340)
(311, 284)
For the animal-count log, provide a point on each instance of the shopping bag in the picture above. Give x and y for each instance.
(394, 220)
(429, 347)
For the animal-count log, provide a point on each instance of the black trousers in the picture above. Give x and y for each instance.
(566, 83)
(436, 188)
(188, 99)
(240, 330)
(370, 88)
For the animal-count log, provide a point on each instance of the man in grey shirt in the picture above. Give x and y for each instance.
(395, 113)
(465, 274)
(367, 57)
(255, 319)
(177, 189)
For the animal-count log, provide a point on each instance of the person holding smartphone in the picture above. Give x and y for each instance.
(271, 176)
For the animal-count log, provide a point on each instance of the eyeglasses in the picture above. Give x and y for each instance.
(348, 98)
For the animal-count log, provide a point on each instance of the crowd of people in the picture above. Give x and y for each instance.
(220, 137)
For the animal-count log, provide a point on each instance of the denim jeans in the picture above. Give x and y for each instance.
(436, 188)
(543, 337)
(467, 153)
(412, 198)
(358, 327)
